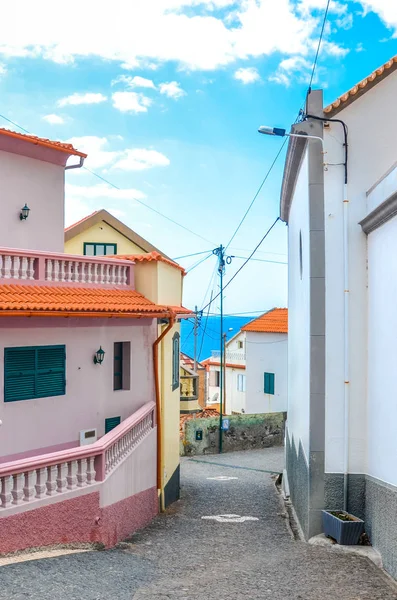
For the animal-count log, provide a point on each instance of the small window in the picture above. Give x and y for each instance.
(94, 249)
(175, 361)
(121, 365)
(269, 383)
(240, 344)
(34, 372)
(241, 383)
(217, 378)
(111, 423)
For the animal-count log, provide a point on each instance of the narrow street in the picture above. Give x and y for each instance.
(183, 555)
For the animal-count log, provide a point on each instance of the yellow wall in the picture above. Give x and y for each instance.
(101, 233)
(170, 282)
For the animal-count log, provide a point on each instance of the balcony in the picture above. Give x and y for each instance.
(230, 356)
(49, 268)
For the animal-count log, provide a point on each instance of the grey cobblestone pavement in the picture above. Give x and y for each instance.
(183, 556)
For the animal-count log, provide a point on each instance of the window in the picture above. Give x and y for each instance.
(269, 383)
(241, 383)
(34, 372)
(111, 423)
(217, 378)
(214, 378)
(94, 249)
(240, 345)
(121, 365)
(175, 361)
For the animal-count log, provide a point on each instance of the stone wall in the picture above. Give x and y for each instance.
(246, 432)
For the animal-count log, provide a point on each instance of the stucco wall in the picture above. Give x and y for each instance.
(41, 185)
(90, 399)
(170, 283)
(101, 233)
(266, 353)
(299, 315)
(382, 353)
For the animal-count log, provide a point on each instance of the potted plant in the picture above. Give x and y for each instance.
(343, 527)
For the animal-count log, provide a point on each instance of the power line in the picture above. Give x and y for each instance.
(277, 262)
(258, 192)
(199, 263)
(120, 189)
(204, 330)
(189, 255)
(318, 47)
(244, 263)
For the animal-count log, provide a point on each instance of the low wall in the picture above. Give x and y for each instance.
(246, 432)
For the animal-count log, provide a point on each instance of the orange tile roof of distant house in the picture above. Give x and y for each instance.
(151, 257)
(363, 86)
(77, 301)
(274, 321)
(38, 141)
(209, 362)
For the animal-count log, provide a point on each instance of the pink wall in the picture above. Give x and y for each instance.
(41, 185)
(39, 423)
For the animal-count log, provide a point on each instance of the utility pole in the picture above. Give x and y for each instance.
(222, 261)
(224, 371)
(195, 331)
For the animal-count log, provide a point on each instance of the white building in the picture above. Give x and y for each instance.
(342, 412)
(256, 367)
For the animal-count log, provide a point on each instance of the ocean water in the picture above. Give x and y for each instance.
(208, 338)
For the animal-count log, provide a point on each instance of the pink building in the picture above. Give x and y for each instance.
(78, 416)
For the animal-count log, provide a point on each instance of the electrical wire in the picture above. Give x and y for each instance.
(204, 330)
(318, 47)
(189, 255)
(277, 262)
(198, 263)
(244, 263)
(257, 193)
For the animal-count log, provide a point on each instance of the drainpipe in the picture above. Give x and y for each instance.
(158, 407)
(346, 294)
(78, 166)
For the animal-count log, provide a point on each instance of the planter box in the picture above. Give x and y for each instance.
(346, 533)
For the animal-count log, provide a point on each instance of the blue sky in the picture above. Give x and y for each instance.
(166, 97)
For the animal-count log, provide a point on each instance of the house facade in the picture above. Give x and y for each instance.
(161, 280)
(340, 207)
(79, 350)
(193, 385)
(256, 367)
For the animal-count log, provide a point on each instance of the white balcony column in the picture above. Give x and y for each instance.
(28, 490)
(41, 479)
(51, 482)
(71, 477)
(7, 267)
(90, 470)
(30, 271)
(6, 487)
(61, 478)
(82, 472)
(17, 488)
(15, 267)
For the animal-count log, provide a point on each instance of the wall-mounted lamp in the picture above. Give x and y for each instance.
(24, 212)
(99, 356)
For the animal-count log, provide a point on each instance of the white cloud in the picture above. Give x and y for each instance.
(54, 119)
(134, 82)
(131, 102)
(96, 148)
(139, 159)
(290, 69)
(247, 75)
(158, 31)
(3, 70)
(386, 9)
(76, 98)
(172, 89)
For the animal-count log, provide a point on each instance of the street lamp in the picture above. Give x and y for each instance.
(283, 133)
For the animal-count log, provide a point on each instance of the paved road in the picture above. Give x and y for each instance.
(183, 556)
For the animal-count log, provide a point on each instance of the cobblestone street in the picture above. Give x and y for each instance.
(186, 553)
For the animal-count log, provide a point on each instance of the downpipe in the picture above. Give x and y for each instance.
(346, 345)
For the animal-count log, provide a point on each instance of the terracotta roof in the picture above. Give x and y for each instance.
(76, 301)
(204, 414)
(103, 215)
(37, 141)
(151, 257)
(213, 363)
(273, 321)
(189, 361)
(363, 86)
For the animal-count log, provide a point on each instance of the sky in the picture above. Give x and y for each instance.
(166, 97)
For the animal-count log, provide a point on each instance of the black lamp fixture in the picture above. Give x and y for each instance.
(99, 356)
(24, 212)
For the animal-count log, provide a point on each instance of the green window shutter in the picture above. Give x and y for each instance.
(269, 383)
(34, 372)
(175, 361)
(118, 366)
(111, 423)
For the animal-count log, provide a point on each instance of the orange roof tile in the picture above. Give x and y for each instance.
(150, 257)
(273, 321)
(76, 301)
(33, 139)
(360, 88)
(208, 362)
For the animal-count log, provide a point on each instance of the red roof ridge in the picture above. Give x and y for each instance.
(39, 141)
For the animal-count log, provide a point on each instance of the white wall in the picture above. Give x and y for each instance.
(90, 399)
(266, 353)
(235, 399)
(372, 151)
(382, 353)
(41, 185)
(299, 314)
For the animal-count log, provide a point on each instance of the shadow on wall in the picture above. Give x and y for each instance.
(246, 432)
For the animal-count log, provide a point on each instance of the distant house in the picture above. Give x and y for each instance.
(160, 279)
(79, 349)
(256, 367)
(340, 203)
